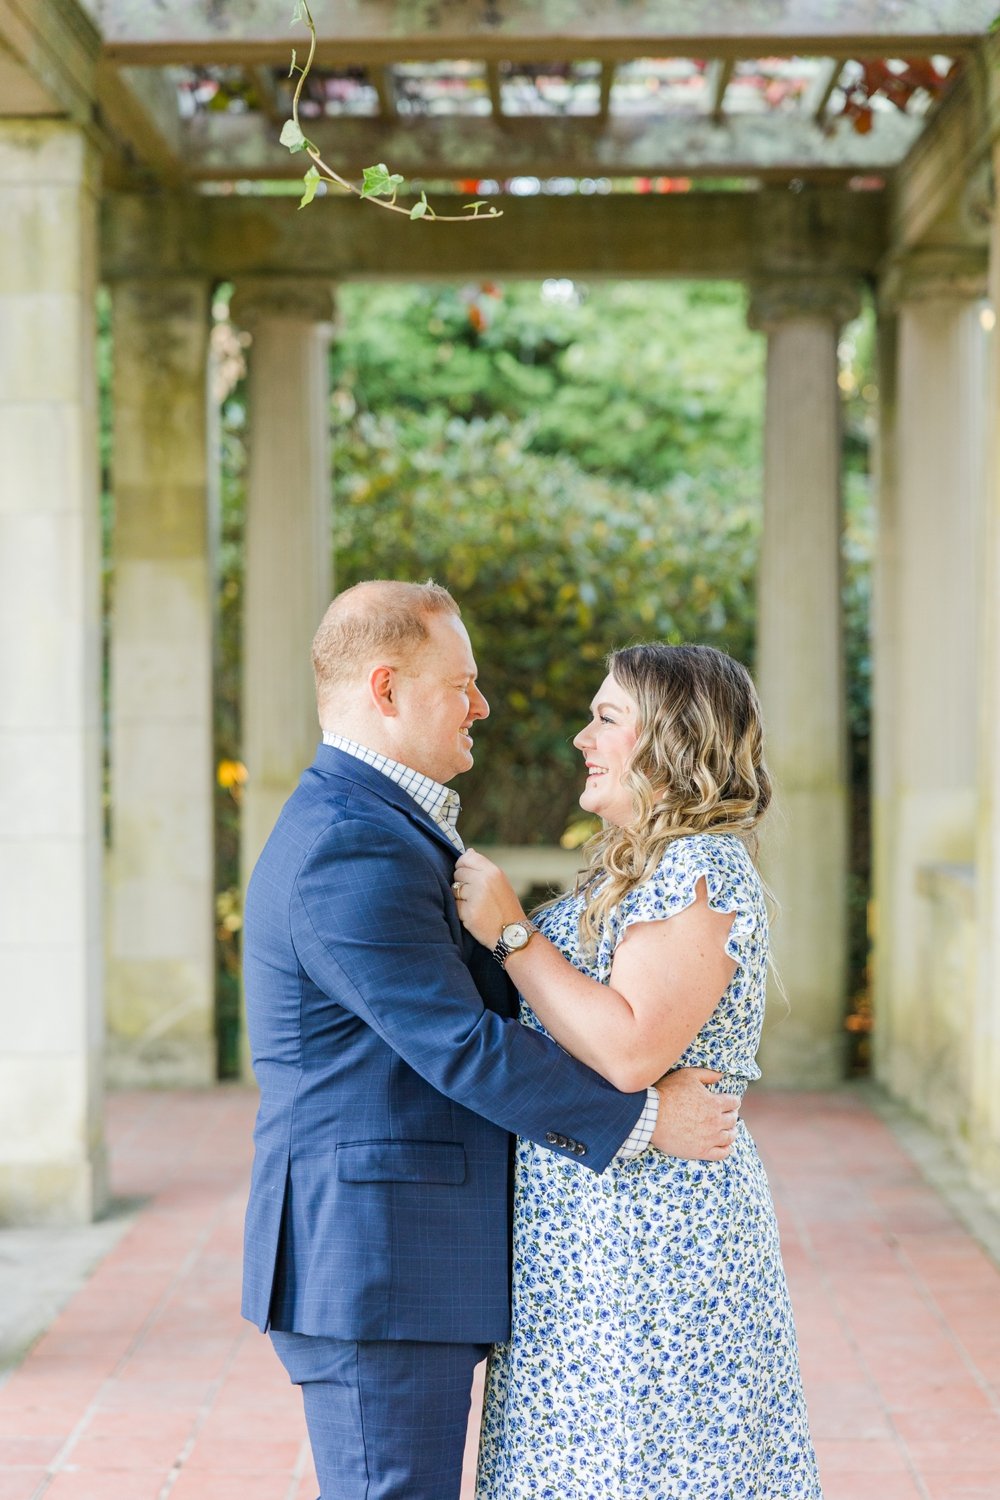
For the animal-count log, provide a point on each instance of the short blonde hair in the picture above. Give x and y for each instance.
(380, 618)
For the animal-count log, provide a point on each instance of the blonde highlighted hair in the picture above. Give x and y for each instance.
(697, 767)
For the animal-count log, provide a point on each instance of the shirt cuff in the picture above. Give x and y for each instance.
(642, 1130)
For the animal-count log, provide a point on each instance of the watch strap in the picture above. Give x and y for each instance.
(502, 950)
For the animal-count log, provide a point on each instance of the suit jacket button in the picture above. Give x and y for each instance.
(552, 1138)
(579, 1148)
(562, 1140)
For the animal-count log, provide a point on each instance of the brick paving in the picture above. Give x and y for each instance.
(147, 1386)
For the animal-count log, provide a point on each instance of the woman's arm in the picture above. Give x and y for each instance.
(666, 979)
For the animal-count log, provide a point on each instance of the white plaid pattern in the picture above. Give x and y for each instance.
(440, 803)
(642, 1130)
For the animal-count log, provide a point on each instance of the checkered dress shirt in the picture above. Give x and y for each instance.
(442, 805)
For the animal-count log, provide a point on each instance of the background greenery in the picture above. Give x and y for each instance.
(581, 472)
(582, 467)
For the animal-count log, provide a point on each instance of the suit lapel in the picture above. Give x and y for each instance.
(333, 762)
(491, 981)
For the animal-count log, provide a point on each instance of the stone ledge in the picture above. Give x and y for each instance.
(950, 884)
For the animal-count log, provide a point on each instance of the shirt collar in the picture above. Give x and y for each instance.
(441, 803)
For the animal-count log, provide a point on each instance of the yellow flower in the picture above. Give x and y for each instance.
(231, 773)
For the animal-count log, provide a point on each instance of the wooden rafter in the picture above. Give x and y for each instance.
(820, 94)
(607, 84)
(56, 48)
(385, 88)
(495, 91)
(957, 142)
(246, 146)
(267, 93)
(720, 73)
(525, 30)
(139, 111)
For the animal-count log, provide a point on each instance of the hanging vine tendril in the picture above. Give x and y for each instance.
(379, 185)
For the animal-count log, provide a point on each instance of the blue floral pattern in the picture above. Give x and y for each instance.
(653, 1352)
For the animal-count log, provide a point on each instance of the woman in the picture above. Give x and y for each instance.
(652, 1352)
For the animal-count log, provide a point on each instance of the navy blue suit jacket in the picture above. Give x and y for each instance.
(391, 1068)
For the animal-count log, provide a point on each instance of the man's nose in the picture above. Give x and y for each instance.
(479, 708)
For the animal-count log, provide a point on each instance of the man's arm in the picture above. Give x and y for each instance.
(692, 1121)
(371, 930)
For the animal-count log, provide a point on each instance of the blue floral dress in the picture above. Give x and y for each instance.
(652, 1353)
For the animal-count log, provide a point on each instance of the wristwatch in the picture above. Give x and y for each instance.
(513, 937)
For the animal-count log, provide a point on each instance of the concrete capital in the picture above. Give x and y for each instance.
(776, 300)
(297, 299)
(959, 273)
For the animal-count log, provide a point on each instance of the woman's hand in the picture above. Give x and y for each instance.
(486, 898)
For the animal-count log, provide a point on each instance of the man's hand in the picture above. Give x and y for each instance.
(693, 1122)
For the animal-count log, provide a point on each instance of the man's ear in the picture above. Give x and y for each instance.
(382, 687)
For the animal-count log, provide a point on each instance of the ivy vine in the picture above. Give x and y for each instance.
(379, 185)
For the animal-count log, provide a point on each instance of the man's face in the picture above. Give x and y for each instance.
(438, 702)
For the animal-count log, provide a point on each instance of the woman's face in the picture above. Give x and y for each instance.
(606, 745)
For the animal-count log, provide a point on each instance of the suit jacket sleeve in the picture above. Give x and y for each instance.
(371, 930)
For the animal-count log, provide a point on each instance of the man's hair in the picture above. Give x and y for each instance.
(377, 622)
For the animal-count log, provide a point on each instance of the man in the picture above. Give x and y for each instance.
(392, 1067)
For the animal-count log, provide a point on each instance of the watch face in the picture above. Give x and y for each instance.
(515, 935)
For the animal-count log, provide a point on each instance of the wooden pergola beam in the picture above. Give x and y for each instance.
(139, 111)
(385, 89)
(944, 158)
(49, 56)
(235, 146)
(495, 90)
(821, 93)
(694, 236)
(606, 86)
(532, 30)
(721, 70)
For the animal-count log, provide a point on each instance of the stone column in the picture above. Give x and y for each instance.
(288, 575)
(51, 1133)
(985, 1121)
(161, 986)
(800, 675)
(925, 686)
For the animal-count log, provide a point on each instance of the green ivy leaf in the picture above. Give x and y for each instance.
(312, 181)
(419, 209)
(380, 182)
(292, 137)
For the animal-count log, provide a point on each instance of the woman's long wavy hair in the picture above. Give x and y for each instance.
(697, 767)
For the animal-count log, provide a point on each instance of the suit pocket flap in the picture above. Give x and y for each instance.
(401, 1161)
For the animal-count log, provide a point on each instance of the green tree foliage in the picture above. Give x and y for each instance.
(581, 473)
(643, 382)
(583, 469)
(553, 566)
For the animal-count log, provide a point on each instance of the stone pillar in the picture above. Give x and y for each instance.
(884, 623)
(800, 675)
(51, 1133)
(985, 1122)
(161, 986)
(925, 686)
(288, 575)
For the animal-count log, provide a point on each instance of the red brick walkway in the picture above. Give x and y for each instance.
(148, 1386)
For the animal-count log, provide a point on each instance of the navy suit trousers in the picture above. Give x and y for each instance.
(387, 1421)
